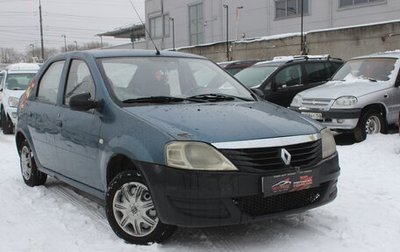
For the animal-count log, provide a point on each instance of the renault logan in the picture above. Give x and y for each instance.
(137, 129)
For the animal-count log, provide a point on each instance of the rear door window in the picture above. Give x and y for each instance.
(288, 77)
(317, 72)
(49, 84)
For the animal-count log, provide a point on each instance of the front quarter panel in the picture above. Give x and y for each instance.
(131, 137)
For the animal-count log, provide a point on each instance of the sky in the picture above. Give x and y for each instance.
(78, 20)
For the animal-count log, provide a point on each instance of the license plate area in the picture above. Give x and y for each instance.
(288, 182)
(315, 116)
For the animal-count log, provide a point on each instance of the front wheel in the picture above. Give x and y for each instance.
(131, 212)
(31, 175)
(371, 122)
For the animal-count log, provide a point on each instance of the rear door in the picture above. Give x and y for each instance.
(43, 114)
(286, 83)
(78, 138)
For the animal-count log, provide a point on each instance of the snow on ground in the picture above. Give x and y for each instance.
(365, 216)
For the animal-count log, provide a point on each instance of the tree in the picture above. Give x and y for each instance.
(9, 55)
(34, 54)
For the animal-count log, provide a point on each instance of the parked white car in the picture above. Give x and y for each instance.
(13, 82)
(363, 97)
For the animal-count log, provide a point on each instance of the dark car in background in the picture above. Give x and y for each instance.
(283, 77)
(233, 67)
(163, 147)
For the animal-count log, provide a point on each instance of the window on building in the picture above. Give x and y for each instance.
(349, 3)
(288, 8)
(196, 24)
(159, 26)
(156, 27)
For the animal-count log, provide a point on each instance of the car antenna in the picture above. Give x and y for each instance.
(148, 33)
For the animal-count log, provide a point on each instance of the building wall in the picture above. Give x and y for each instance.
(257, 18)
(341, 43)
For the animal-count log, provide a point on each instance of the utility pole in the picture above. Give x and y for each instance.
(41, 29)
(227, 30)
(76, 45)
(173, 32)
(302, 49)
(237, 20)
(65, 42)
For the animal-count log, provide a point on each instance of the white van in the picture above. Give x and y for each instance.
(13, 82)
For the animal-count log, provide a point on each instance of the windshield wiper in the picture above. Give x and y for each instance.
(219, 97)
(161, 99)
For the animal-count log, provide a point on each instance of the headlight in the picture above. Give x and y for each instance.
(13, 101)
(297, 101)
(345, 101)
(196, 156)
(328, 143)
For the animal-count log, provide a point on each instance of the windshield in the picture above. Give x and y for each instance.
(138, 78)
(255, 75)
(373, 69)
(18, 81)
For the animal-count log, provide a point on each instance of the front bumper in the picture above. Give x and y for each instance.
(344, 119)
(202, 199)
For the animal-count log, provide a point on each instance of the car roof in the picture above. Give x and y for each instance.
(280, 60)
(22, 67)
(109, 53)
(391, 54)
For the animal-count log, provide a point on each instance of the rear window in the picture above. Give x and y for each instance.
(18, 81)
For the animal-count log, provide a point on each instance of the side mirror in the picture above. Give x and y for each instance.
(258, 92)
(83, 102)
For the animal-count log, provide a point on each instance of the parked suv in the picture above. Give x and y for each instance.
(142, 131)
(282, 78)
(13, 82)
(363, 96)
(233, 67)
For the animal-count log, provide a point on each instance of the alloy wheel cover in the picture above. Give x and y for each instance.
(134, 210)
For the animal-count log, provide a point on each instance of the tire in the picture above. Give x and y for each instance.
(131, 212)
(371, 122)
(31, 175)
(6, 123)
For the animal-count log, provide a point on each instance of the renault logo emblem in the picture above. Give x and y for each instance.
(286, 157)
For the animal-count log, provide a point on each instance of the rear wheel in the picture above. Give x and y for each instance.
(31, 175)
(131, 212)
(6, 123)
(371, 122)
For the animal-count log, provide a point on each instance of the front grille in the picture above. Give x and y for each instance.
(269, 159)
(322, 104)
(259, 205)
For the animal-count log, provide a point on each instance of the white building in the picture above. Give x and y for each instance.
(205, 21)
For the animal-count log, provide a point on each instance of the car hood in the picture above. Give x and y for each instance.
(336, 89)
(223, 122)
